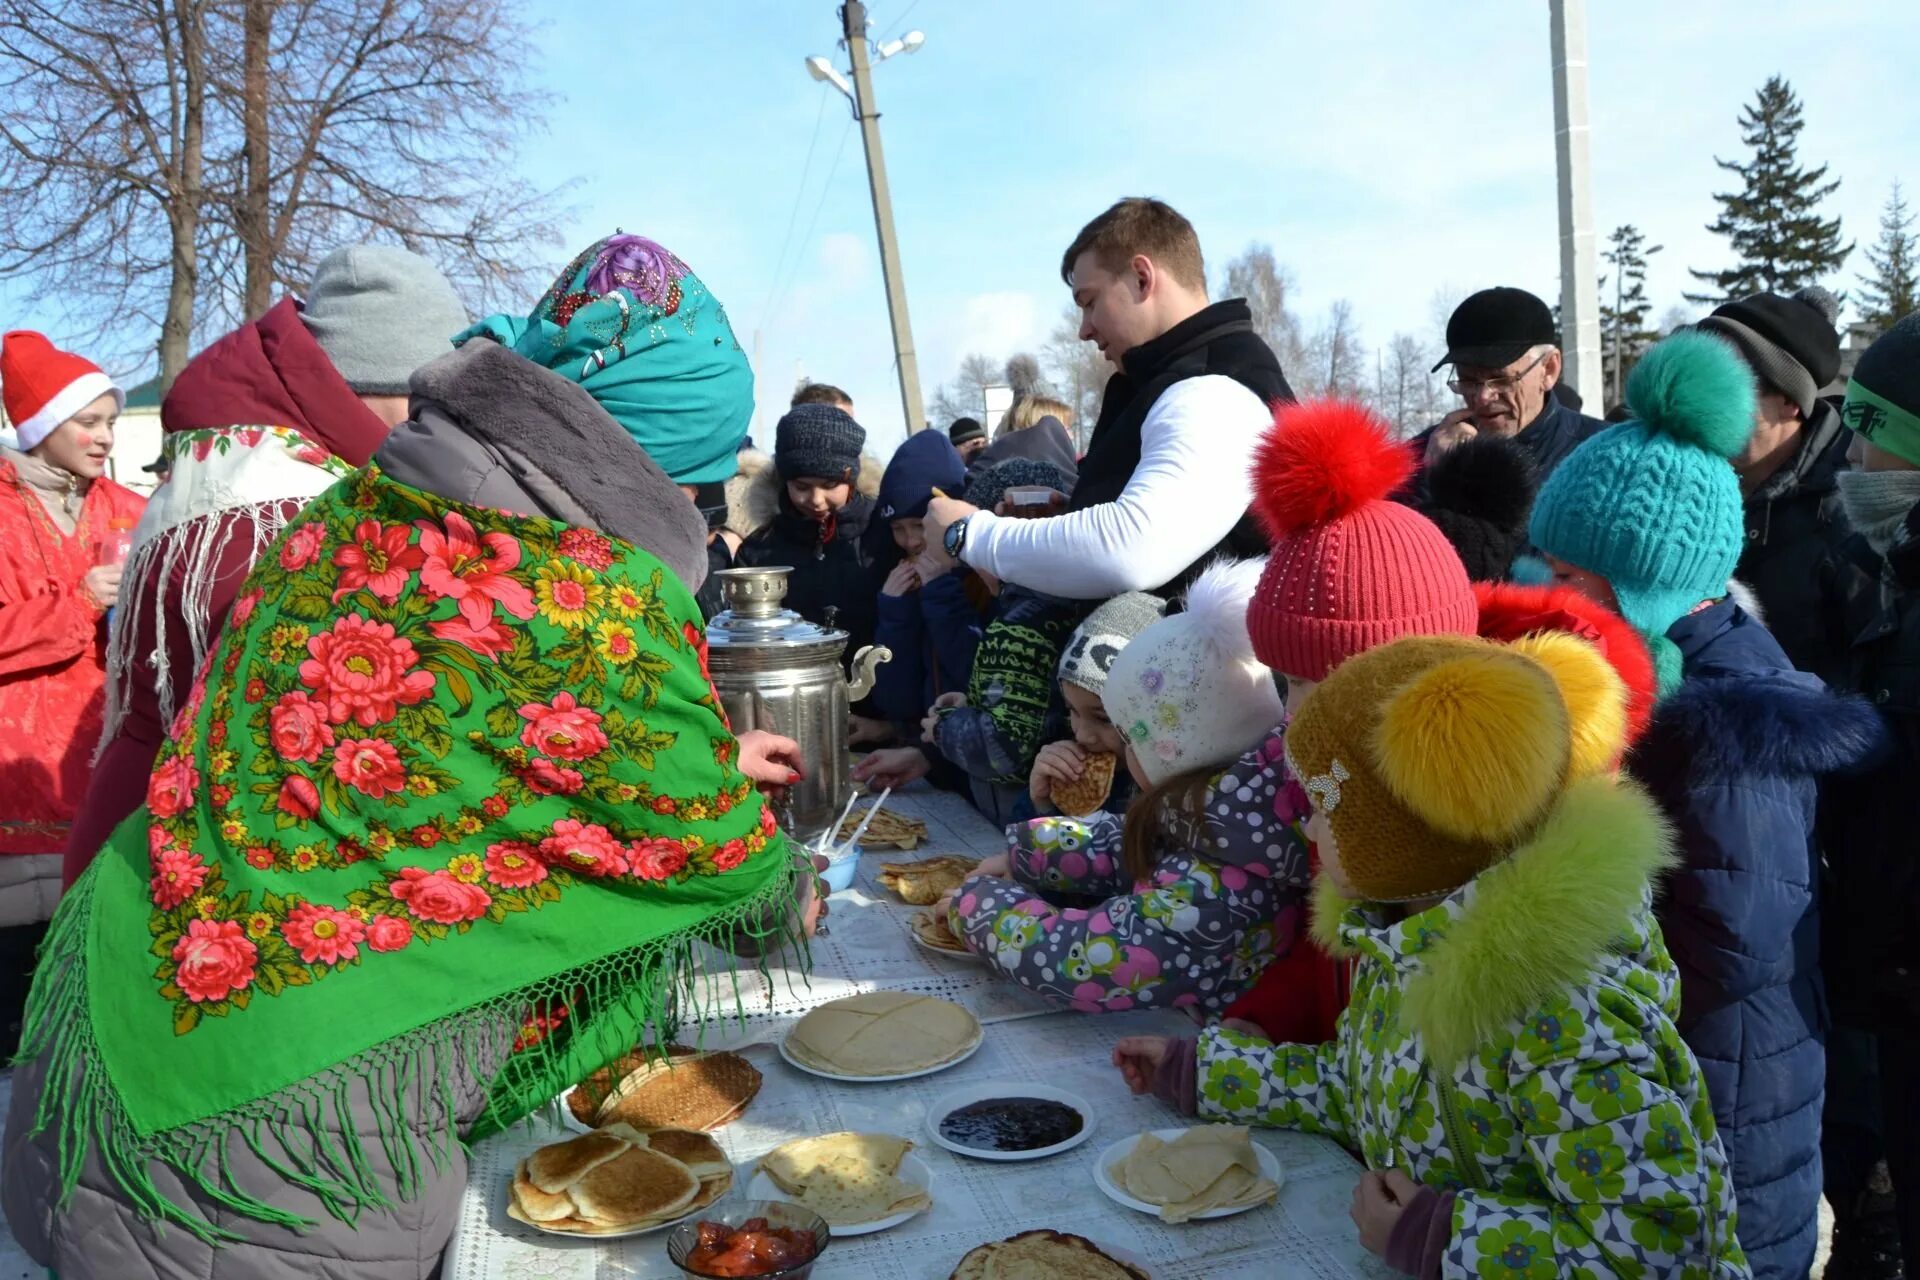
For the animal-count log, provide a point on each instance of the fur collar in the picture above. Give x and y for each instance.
(1765, 724)
(757, 499)
(1534, 925)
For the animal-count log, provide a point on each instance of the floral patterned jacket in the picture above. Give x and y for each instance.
(1226, 896)
(1515, 1046)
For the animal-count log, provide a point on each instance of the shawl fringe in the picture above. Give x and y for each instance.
(199, 544)
(309, 1132)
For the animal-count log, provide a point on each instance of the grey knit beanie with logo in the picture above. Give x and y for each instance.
(1091, 650)
(380, 312)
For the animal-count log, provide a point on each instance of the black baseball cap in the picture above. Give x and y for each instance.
(158, 465)
(1495, 327)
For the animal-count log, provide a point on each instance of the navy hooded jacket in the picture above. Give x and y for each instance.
(932, 631)
(1733, 757)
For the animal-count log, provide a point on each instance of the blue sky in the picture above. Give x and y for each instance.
(1388, 151)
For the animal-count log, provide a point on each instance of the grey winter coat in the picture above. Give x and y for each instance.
(488, 428)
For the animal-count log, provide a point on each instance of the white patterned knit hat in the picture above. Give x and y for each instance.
(1188, 693)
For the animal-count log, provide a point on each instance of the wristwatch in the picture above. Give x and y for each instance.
(955, 538)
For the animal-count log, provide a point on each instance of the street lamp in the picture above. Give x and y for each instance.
(853, 26)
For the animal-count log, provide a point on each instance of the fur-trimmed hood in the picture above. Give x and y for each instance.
(1536, 924)
(753, 496)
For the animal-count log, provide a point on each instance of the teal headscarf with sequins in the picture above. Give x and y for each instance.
(632, 324)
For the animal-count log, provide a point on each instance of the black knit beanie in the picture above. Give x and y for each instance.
(1480, 494)
(991, 485)
(965, 429)
(1789, 342)
(817, 440)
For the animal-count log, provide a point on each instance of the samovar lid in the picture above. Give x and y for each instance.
(754, 617)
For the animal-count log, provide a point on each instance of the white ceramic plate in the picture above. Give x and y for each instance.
(913, 1171)
(978, 1040)
(969, 956)
(633, 1231)
(948, 1103)
(1269, 1169)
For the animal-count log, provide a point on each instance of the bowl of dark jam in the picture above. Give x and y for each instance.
(1010, 1122)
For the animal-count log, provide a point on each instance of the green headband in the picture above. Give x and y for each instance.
(1882, 423)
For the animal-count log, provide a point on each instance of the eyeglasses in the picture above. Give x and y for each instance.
(1468, 388)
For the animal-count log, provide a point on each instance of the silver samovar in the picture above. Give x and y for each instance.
(777, 671)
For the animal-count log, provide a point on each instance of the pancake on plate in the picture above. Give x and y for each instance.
(888, 830)
(933, 930)
(847, 1178)
(883, 1033)
(619, 1180)
(925, 882)
(1044, 1255)
(1206, 1168)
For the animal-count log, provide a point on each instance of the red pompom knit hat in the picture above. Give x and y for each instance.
(1350, 569)
(43, 386)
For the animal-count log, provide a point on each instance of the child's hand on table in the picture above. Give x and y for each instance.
(1379, 1199)
(999, 866)
(1141, 1059)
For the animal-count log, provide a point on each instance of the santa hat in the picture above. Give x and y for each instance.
(43, 386)
(1349, 569)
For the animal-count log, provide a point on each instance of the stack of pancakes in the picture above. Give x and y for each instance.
(619, 1179)
(1044, 1255)
(923, 883)
(882, 1033)
(888, 830)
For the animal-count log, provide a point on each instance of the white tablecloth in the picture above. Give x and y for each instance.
(1306, 1234)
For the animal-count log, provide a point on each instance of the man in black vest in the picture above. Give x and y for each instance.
(1165, 484)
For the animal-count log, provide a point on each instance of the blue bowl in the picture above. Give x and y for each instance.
(839, 873)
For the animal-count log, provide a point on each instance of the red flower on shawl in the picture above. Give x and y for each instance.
(514, 864)
(657, 859)
(697, 640)
(564, 730)
(489, 641)
(586, 848)
(588, 548)
(730, 855)
(766, 821)
(369, 766)
(388, 933)
(255, 690)
(299, 797)
(302, 547)
(663, 805)
(546, 778)
(170, 789)
(377, 559)
(177, 876)
(243, 607)
(426, 835)
(437, 896)
(214, 960)
(259, 857)
(494, 806)
(472, 569)
(363, 672)
(322, 935)
(222, 795)
(298, 727)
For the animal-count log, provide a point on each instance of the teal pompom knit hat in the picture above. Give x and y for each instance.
(632, 324)
(1653, 505)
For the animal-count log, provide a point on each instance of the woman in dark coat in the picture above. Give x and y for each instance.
(1646, 517)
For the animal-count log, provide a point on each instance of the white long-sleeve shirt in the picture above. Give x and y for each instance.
(1191, 487)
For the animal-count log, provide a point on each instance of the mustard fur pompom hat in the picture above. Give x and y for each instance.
(1434, 757)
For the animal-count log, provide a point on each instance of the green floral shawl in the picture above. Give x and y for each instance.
(451, 777)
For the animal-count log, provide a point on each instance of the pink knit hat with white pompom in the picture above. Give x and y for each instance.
(1188, 693)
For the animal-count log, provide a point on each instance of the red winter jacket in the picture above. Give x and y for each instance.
(268, 373)
(52, 660)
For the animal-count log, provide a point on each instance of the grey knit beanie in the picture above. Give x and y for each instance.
(380, 312)
(817, 440)
(1090, 652)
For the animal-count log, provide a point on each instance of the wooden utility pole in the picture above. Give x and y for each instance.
(1579, 290)
(853, 21)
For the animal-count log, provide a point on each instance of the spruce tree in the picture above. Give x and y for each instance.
(1893, 290)
(1624, 332)
(1779, 241)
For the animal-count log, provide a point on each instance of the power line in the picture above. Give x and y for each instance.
(825, 191)
(793, 214)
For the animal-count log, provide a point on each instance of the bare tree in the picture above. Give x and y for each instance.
(1335, 363)
(1079, 372)
(965, 396)
(1674, 318)
(1267, 286)
(1406, 394)
(103, 116)
(382, 120)
(172, 163)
